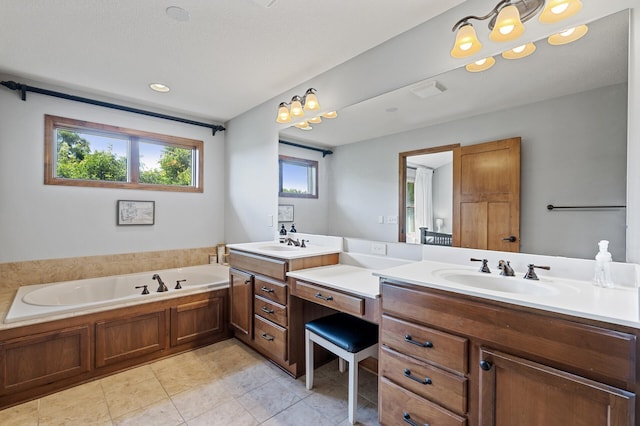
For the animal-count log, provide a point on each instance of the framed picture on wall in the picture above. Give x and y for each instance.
(285, 213)
(132, 212)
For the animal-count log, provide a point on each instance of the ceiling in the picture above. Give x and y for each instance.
(228, 57)
(598, 59)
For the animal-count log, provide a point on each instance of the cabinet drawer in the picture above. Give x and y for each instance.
(333, 299)
(433, 346)
(399, 406)
(272, 290)
(271, 337)
(432, 383)
(274, 268)
(270, 310)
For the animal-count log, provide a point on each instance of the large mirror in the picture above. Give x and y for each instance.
(568, 103)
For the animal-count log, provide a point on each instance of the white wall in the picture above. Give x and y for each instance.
(583, 163)
(40, 221)
(310, 214)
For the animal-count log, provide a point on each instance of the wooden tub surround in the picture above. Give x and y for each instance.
(42, 358)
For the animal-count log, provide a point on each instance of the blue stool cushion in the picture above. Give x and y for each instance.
(345, 331)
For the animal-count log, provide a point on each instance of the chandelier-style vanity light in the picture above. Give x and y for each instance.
(506, 22)
(297, 107)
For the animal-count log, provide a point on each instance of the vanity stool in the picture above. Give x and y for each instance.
(351, 339)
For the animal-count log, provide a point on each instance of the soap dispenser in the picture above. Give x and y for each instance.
(283, 234)
(293, 228)
(602, 277)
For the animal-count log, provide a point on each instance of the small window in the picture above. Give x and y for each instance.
(298, 177)
(79, 153)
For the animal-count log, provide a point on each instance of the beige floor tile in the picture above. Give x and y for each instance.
(21, 415)
(182, 374)
(162, 413)
(330, 400)
(128, 397)
(268, 400)
(248, 378)
(367, 414)
(129, 377)
(196, 401)
(228, 413)
(299, 413)
(81, 403)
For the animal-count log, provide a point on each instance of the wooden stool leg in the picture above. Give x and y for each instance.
(353, 389)
(309, 359)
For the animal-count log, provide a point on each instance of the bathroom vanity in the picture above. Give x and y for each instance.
(451, 358)
(263, 313)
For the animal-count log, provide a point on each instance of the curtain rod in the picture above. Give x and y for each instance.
(324, 152)
(23, 88)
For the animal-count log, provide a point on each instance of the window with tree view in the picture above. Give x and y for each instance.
(298, 177)
(79, 153)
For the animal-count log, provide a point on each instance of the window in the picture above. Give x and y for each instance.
(298, 177)
(79, 153)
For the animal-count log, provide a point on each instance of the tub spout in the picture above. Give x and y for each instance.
(161, 286)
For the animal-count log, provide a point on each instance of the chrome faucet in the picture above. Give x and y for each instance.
(531, 274)
(505, 268)
(161, 286)
(291, 242)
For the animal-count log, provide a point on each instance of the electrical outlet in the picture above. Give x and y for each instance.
(392, 219)
(379, 248)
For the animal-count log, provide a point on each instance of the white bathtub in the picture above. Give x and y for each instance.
(43, 300)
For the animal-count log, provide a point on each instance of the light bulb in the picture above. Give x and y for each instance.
(283, 113)
(296, 107)
(508, 25)
(466, 43)
(557, 10)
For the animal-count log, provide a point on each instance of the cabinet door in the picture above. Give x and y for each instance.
(40, 359)
(196, 320)
(241, 295)
(119, 340)
(515, 391)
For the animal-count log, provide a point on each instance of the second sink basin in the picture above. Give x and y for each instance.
(495, 282)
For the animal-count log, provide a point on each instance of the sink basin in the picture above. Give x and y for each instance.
(495, 282)
(275, 247)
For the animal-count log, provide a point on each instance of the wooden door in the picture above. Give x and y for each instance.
(241, 300)
(515, 391)
(198, 320)
(486, 196)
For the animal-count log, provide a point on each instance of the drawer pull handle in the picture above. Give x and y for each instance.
(265, 336)
(426, 381)
(267, 311)
(407, 419)
(266, 290)
(247, 281)
(409, 339)
(486, 365)
(320, 296)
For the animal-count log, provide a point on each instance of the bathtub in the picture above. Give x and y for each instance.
(92, 294)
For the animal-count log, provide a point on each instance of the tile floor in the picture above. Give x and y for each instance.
(223, 384)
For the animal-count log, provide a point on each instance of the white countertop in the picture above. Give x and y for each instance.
(352, 279)
(284, 251)
(617, 305)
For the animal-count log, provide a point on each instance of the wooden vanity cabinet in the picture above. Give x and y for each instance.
(263, 315)
(448, 358)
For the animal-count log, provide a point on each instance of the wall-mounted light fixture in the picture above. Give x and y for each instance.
(505, 22)
(297, 107)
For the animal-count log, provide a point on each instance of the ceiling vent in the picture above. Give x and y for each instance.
(427, 89)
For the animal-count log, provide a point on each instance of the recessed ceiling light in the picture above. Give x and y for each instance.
(177, 13)
(159, 87)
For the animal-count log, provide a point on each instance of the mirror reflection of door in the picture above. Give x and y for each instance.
(463, 197)
(486, 196)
